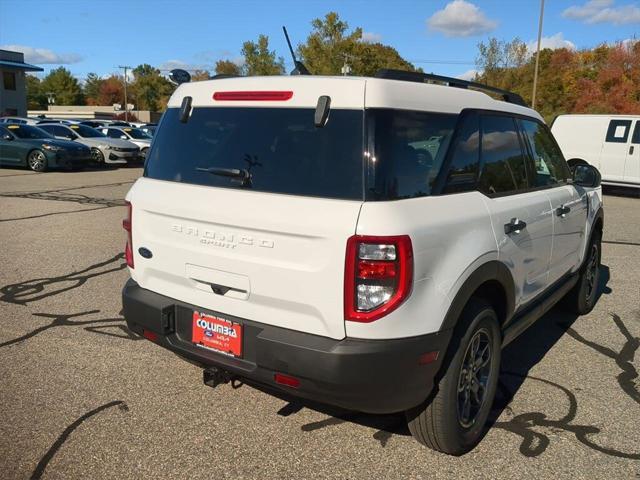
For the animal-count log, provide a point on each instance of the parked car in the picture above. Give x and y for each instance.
(134, 135)
(96, 123)
(149, 129)
(266, 246)
(103, 149)
(33, 147)
(19, 120)
(609, 142)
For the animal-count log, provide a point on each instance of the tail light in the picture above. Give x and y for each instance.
(378, 276)
(127, 223)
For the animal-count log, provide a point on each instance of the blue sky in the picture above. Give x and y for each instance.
(437, 35)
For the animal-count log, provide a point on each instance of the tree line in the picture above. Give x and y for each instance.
(605, 79)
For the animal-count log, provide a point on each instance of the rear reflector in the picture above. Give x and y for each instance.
(127, 224)
(286, 380)
(427, 358)
(271, 95)
(149, 335)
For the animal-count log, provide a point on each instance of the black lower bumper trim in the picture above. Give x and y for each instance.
(373, 376)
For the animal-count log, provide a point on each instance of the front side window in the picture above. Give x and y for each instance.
(276, 150)
(550, 167)
(504, 167)
(85, 132)
(618, 131)
(406, 151)
(137, 134)
(636, 133)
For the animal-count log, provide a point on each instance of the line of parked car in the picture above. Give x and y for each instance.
(47, 143)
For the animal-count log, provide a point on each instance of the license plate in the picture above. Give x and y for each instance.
(217, 334)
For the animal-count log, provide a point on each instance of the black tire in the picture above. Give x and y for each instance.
(582, 297)
(37, 161)
(441, 423)
(97, 157)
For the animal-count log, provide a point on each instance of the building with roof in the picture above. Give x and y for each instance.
(13, 91)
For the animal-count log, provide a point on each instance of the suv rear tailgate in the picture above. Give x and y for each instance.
(275, 259)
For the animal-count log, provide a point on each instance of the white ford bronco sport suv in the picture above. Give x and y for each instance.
(368, 243)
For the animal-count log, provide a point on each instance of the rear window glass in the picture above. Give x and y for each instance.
(407, 151)
(280, 148)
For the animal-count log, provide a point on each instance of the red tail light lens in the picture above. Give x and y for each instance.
(127, 224)
(253, 96)
(378, 276)
(286, 380)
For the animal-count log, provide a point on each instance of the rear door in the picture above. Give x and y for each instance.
(521, 218)
(632, 164)
(614, 149)
(568, 205)
(247, 212)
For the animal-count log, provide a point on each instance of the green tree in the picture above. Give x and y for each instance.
(227, 67)
(330, 46)
(259, 60)
(91, 88)
(36, 99)
(64, 86)
(149, 89)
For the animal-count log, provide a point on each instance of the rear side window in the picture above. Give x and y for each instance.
(407, 150)
(280, 148)
(550, 166)
(465, 157)
(503, 163)
(618, 131)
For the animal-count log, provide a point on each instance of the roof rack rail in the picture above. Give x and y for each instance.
(403, 75)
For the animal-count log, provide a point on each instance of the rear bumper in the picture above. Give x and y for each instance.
(373, 376)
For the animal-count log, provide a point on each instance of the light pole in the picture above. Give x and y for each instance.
(126, 67)
(535, 72)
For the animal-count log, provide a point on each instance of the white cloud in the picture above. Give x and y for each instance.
(603, 11)
(553, 42)
(460, 18)
(44, 55)
(468, 75)
(371, 37)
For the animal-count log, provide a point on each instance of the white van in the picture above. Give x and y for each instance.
(611, 143)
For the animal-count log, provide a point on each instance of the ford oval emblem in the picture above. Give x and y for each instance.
(179, 76)
(145, 252)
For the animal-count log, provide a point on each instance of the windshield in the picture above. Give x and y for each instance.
(136, 133)
(280, 148)
(28, 132)
(86, 132)
(406, 151)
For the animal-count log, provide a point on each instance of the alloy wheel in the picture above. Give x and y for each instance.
(37, 161)
(474, 378)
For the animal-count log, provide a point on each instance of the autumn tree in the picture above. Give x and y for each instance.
(111, 91)
(200, 75)
(227, 67)
(259, 60)
(91, 88)
(64, 86)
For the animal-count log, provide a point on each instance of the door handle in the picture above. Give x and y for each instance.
(562, 211)
(514, 226)
(631, 150)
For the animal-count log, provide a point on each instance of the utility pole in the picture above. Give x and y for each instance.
(535, 73)
(126, 109)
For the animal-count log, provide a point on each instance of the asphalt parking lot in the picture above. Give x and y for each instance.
(83, 398)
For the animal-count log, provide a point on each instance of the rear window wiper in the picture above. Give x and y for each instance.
(235, 173)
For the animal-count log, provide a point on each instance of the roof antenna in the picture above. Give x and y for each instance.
(299, 69)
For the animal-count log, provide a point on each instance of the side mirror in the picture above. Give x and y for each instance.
(7, 137)
(586, 176)
(124, 137)
(72, 136)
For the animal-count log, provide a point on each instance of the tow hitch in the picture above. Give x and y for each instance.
(214, 376)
